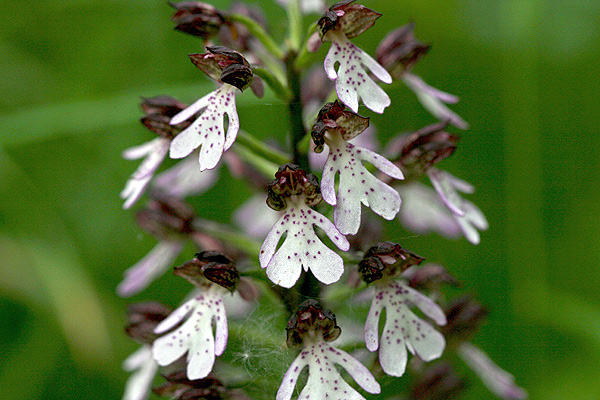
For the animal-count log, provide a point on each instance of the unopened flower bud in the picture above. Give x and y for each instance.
(334, 117)
(438, 381)
(400, 50)
(166, 217)
(159, 110)
(179, 387)
(417, 152)
(350, 19)
(431, 276)
(143, 318)
(464, 315)
(224, 65)
(291, 180)
(212, 266)
(197, 18)
(386, 259)
(309, 321)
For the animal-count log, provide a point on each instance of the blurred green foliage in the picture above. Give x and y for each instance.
(72, 73)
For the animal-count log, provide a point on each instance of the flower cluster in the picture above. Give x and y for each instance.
(295, 252)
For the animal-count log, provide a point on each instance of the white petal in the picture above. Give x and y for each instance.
(184, 179)
(498, 381)
(425, 304)
(288, 383)
(433, 100)
(359, 372)
(352, 79)
(191, 110)
(153, 265)
(422, 211)
(139, 384)
(155, 152)
(372, 323)
(302, 248)
(255, 218)
(208, 130)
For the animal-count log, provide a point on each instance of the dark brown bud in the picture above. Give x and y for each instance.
(437, 382)
(291, 180)
(224, 65)
(159, 110)
(143, 318)
(418, 151)
(400, 50)
(166, 218)
(431, 276)
(197, 19)
(386, 259)
(308, 320)
(179, 387)
(212, 266)
(464, 316)
(350, 19)
(334, 117)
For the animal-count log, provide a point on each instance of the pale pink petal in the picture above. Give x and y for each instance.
(153, 265)
(184, 180)
(144, 370)
(497, 380)
(155, 152)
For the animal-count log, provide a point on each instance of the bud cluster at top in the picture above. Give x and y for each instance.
(290, 180)
(224, 65)
(309, 322)
(210, 266)
(386, 259)
(334, 117)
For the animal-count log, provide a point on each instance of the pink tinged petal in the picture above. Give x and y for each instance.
(155, 152)
(433, 100)
(422, 211)
(448, 194)
(184, 180)
(144, 370)
(254, 218)
(208, 131)
(498, 381)
(313, 43)
(153, 265)
(302, 248)
(328, 183)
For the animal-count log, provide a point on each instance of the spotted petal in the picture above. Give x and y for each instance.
(302, 248)
(195, 335)
(403, 329)
(208, 131)
(324, 380)
(352, 80)
(357, 184)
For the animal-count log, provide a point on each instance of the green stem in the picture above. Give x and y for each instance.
(295, 21)
(258, 32)
(282, 92)
(260, 163)
(253, 144)
(305, 57)
(295, 110)
(228, 235)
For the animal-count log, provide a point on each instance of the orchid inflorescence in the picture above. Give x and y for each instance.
(318, 244)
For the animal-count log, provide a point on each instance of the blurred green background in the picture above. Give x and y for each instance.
(72, 73)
